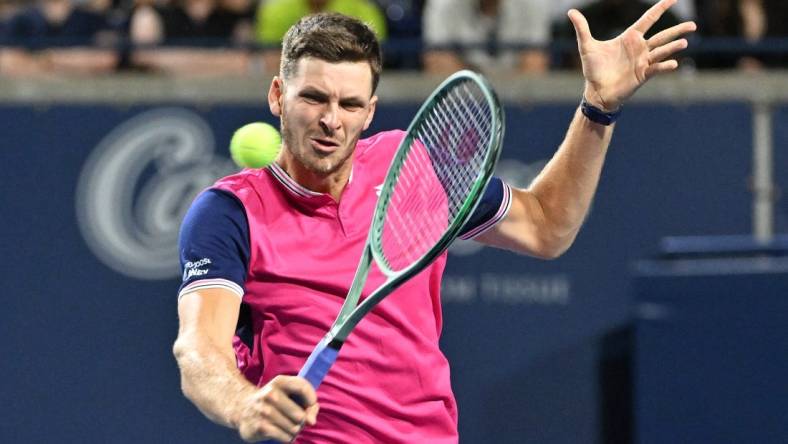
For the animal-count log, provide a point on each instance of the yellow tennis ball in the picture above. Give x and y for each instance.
(255, 145)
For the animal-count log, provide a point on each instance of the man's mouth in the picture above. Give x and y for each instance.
(324, 145)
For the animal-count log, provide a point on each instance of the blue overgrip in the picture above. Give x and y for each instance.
(319, 362)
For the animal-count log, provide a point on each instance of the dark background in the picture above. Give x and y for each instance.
(545, 357)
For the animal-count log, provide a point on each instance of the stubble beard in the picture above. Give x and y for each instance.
(303, 153)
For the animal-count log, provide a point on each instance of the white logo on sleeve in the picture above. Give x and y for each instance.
(192, 269)
(378, 189)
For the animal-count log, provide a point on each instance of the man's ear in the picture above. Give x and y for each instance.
(275, 94)
(373, 102)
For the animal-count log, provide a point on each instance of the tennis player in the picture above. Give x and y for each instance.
(268, 254)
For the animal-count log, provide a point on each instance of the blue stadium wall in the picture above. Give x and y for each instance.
(539, 350)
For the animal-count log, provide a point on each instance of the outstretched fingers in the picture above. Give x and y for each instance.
(651, 16)
(664, 45)
(663, 52)
(661, 67)
(670, 34)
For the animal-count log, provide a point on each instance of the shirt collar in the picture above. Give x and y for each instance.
(289, 183)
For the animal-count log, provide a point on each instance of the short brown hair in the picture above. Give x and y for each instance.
(334, 38)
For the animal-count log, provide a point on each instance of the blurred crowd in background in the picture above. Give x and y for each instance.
(210, 37)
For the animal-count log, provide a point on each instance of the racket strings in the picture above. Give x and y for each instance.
(436, 177)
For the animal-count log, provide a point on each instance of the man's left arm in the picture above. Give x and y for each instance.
(545, 218)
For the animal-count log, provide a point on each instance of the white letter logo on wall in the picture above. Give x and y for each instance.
(138, 183)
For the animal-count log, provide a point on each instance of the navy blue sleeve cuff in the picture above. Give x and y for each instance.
(492, 209)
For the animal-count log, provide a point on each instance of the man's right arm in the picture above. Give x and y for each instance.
(214, 248)
(211, 380)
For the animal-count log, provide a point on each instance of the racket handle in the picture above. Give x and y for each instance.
(315, 368)
(320, 361)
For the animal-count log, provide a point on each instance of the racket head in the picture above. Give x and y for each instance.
(438, 174)
(434, 183)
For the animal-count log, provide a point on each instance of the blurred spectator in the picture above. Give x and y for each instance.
(190, 22)
(607, 19)
(752, 20)
(479, 34)
(242, 12)
(97, 6)
(195, 35)
(8, 8)
(684, 9)
(55, 21)
(275, 17)
(55, 37)
(403, 23)
(776, 27)
(145, 25)
(727, 18)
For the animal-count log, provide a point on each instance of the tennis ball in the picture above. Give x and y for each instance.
(255, 145)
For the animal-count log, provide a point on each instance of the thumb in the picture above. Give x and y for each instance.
(581, 27)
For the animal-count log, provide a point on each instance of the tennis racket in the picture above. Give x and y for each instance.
(434, 183)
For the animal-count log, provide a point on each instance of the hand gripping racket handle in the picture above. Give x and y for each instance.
(315, 368)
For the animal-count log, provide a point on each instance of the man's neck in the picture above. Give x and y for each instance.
(332, 184)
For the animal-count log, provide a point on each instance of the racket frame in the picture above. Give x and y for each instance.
(326, 351)
(351, 312)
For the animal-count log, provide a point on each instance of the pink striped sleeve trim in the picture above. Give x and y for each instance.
(212, 283)
(503, 210)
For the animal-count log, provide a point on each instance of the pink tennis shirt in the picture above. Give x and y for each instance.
(390, 383)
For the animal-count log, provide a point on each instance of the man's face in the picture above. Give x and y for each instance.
(324, 107)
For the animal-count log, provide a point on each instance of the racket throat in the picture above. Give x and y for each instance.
(341, 328)
(335, 343)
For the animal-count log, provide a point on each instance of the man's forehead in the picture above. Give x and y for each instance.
(353, 78)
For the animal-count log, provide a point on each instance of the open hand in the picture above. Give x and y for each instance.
(615, 69)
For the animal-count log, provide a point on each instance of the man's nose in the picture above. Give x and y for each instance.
(330, 117)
